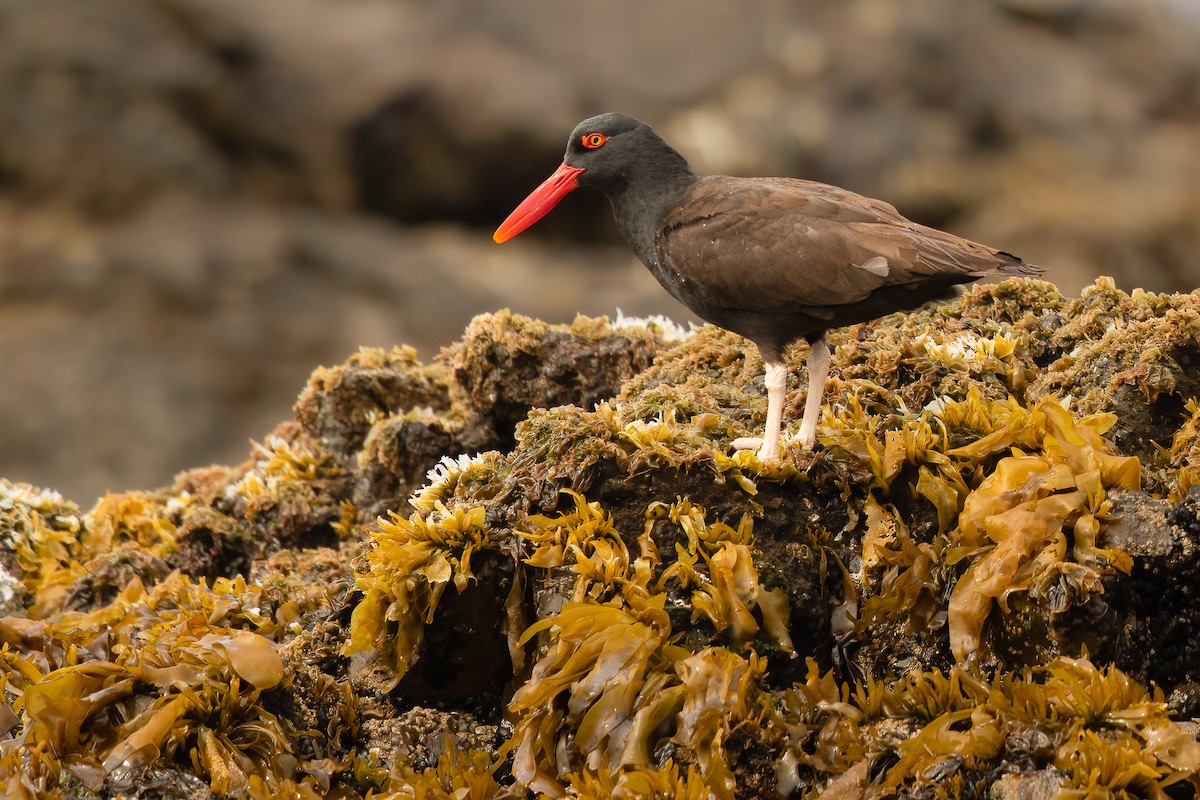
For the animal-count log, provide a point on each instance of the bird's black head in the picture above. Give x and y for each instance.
(618, 155)
(613, 149)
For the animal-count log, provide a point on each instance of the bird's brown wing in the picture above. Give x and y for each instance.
(784, 245)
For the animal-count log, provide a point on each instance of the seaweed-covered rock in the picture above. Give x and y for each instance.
(1159, 635)
(540, 569)
(507, 364)
(1137, 355)
(36, 526)
(387, 419)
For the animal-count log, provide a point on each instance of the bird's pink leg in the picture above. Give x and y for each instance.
(776, 380)
(768, 445)
(818, 371)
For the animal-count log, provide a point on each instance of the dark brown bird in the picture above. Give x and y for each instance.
(772, 259)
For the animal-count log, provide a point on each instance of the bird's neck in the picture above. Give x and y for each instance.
(643, 200)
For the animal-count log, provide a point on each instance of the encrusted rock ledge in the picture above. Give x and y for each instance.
(537, 568)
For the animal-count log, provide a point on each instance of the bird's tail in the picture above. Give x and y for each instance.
(1017, 267)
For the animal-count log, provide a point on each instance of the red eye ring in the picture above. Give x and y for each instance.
(593, 140)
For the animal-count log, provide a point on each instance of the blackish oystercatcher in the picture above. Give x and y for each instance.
(772, 259)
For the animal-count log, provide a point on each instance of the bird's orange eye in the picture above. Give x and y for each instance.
(593, 140)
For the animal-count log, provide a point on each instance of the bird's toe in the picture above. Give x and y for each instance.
(747, 443)
(768, 456)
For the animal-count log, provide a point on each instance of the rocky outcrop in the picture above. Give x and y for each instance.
(972, 584)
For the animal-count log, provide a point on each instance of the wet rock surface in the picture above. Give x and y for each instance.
(970, 587)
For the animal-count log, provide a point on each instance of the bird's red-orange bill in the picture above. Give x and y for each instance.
(539, 202)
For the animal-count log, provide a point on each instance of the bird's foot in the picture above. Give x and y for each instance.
(747, 443)
(808, 443)
(765, 455)
(806, 440)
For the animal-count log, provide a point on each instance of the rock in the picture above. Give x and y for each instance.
(507, 365)
(1040, 785)
(1161, 624)
(850, 785)
(1128, 353)
(611, 587)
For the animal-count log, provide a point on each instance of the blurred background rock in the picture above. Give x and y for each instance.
(202, 200)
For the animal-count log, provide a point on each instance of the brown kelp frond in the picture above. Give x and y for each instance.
(612, 689)
(702, 536)
(216, 718)
(822, 725)
(599, 695)
(457, 775)
(1020, 501)
(586, 539)
(43, 531)
(153, 675)
(276, 464)
(730, 592)
(1033, 513)
(1101, 729)
(969, 353)
(967, 737)
(721, 693)
(714, 561)
(870, 438)
(640, 783)
(905, 577)
(831, 726)
(410, 563)
(1183, 458)
(132, 526)
(1100, 767)
(1118, 736)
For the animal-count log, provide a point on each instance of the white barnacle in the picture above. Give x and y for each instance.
(443, 469)
(443, 477)
(967, 351)
(667, 329)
